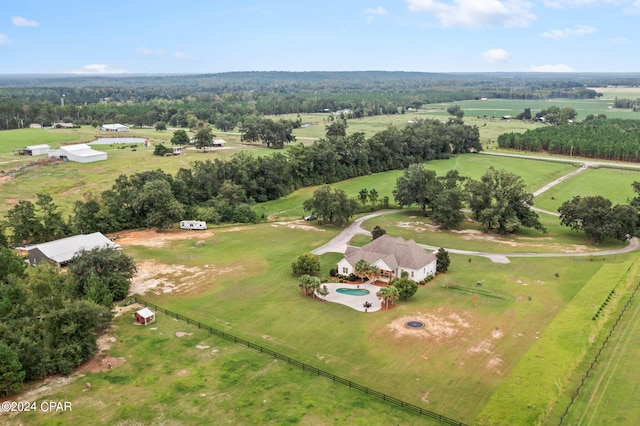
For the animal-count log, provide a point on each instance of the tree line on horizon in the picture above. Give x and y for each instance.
(224, 100)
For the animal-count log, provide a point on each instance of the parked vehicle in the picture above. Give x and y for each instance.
(193, 224)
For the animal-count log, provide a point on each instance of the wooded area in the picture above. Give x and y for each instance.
(225, 100)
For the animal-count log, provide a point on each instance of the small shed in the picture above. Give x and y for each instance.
(36, 149)
(218, 142)
(145, 316)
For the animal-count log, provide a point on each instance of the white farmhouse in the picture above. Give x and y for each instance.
(392, 256)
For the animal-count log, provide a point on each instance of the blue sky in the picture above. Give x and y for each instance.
(198, 36)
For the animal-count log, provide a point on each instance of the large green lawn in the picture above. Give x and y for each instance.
(614, 184)
(249, 291)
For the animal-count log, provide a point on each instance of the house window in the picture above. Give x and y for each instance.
(345, 270)
(411, 274)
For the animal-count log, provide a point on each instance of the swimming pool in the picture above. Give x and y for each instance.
(353, 291)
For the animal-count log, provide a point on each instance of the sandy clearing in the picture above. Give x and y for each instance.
(152, 238)
(297, 224)
(439, 325)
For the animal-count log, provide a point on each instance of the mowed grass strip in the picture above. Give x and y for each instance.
(609, 393)
(196, 378)
(613, 184)
(533, 388)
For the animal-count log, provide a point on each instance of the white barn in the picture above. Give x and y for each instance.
(392, 256)
(60, 252)
(114, 128)
(36, 149)
(82, 153)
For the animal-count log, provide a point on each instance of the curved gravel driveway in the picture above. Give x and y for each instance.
(339, 243)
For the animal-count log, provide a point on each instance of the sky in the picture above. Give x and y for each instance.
(209, 36)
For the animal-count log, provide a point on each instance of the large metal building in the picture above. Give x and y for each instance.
(61, 252)
(82, 153)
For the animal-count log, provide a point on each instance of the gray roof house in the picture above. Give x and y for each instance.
(392, 256)
(62, 251)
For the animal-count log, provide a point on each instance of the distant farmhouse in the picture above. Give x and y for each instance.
(392, 256)
(36, 149)
(218, 142)
(81, 153)
(61, 252)
(63, 125)
(114, 128)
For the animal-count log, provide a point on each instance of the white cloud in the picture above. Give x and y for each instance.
(98, 69)
(566, 4)
(551, 68)
(496, 56)
(181, 55)
(4, 40)
(633, 9)
(377, 11)
(19, 21)
(372, 13)
(145, 51)
(476, 13)
(576, 31)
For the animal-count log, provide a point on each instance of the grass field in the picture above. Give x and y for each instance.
(478, 343)
(558, 239)
(258, 299)
(608, 395)
(614, 184)
(206, 379)
(70, 181)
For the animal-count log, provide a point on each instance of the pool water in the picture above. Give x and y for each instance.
(353, 291)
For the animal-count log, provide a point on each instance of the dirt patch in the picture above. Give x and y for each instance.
(162, 278)
(494, 364)
(297, 224)
(121, 310)
(100, 363)
(182, 334)
(439, 326)
(152, 238)
(418, 226)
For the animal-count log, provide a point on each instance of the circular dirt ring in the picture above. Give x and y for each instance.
(414, 324)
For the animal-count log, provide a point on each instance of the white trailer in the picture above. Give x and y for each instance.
(193, 224)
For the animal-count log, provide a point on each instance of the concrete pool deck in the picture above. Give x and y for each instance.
(354, 302)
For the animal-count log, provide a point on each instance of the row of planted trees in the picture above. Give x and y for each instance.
(597, 137)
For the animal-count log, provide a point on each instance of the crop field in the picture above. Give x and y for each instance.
(502, 342)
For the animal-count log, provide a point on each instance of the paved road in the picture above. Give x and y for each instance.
(588, 163)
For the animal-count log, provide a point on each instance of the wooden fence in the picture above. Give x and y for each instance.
(304, 367)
